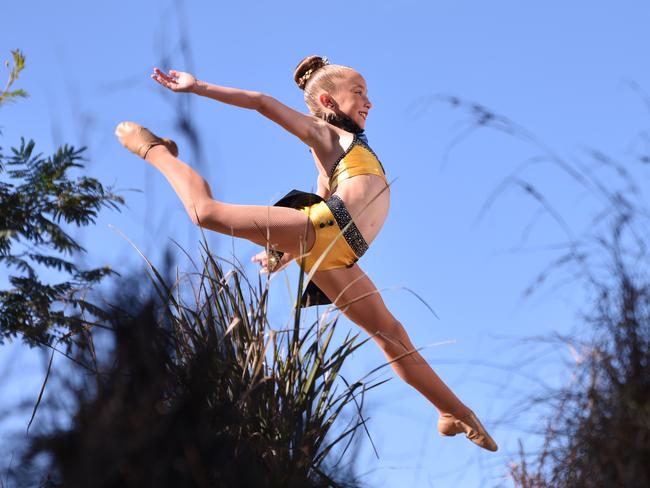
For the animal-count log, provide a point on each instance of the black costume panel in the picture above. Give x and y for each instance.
(296, 199)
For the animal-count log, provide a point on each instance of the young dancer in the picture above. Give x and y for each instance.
(328, 231)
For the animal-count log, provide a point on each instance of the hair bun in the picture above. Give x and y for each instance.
(306, 69)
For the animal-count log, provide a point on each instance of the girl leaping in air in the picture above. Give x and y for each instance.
(349, 210)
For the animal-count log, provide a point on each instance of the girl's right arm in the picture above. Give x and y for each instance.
(309, 129)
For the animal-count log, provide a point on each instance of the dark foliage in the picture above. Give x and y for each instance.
(197, 404)
(142, 428)
(36, 196)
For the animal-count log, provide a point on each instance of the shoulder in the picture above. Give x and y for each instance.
(330, 139)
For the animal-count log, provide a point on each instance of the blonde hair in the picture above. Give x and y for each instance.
(313, 75)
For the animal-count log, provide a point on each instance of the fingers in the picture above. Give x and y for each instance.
(158, 79)
(163, 82)
(262, 260)
(169, 77)
(164, 79)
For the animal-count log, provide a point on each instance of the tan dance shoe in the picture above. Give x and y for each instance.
(139, 140)
(448, 425)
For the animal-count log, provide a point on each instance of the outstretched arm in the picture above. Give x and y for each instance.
(307, 128)
(180, 81)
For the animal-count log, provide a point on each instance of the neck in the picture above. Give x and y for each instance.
(343, 121)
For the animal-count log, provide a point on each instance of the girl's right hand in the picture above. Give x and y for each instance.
(177, 81)
(273, 267)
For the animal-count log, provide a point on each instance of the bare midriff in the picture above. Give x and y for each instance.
(366, 196)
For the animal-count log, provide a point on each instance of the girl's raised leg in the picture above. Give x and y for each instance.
(280, 228)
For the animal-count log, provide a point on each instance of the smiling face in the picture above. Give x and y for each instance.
(351, 97)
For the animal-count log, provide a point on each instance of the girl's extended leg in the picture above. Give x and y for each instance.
(363, 305)
(284, 229)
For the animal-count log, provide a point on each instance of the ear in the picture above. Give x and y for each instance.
(326, 100)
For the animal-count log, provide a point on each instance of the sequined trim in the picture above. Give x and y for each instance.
(336, 163)
(355, 141)
(343, 217)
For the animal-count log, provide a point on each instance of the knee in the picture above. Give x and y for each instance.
(195, 215)
(393, 335)
(203, 213)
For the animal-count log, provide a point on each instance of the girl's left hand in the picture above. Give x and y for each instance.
(177, 81)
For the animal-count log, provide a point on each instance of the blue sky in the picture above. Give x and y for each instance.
(563, 70)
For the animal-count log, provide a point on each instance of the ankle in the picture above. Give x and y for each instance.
(156, 151)
(458, 412)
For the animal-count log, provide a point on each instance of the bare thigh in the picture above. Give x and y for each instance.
(281, 228)
(357, 297)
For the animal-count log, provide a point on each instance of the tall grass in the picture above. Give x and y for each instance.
(597, 433)
(201, 390)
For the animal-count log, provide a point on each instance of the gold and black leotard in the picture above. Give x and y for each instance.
(331, 220)
(358, 159)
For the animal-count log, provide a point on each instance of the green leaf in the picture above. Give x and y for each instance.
(16, 93)
(19, 63)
